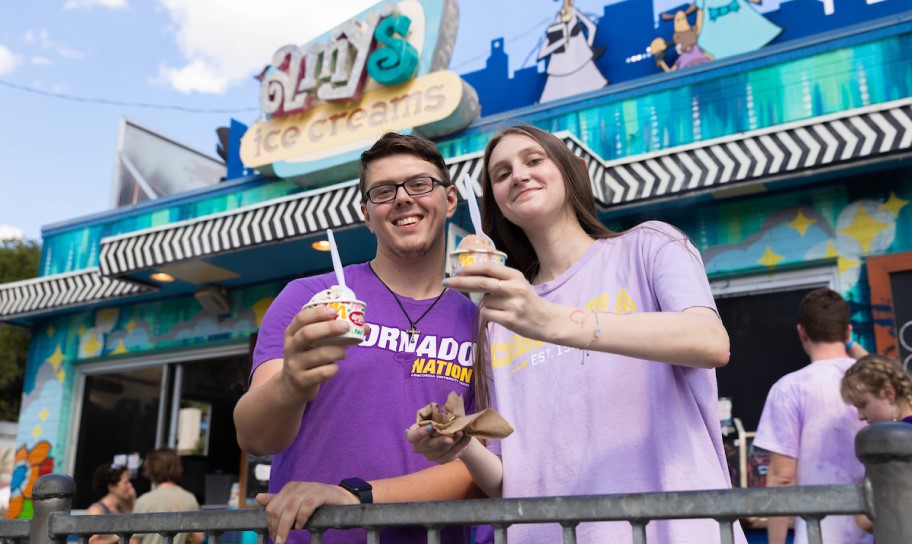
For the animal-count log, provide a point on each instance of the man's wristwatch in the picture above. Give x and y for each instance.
(358, 488)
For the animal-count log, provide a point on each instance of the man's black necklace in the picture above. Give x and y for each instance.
(413, 331)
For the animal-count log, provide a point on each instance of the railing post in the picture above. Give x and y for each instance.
(51, 493)
(886, 451)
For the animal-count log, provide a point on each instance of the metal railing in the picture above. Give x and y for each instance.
(885, 496)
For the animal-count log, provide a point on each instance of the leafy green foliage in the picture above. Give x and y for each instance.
(18, 261)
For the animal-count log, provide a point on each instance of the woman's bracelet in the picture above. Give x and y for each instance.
(596, 333)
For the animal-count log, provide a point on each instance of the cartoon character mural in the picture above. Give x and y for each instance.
(732, 27)
(571, 58)
(685, 42)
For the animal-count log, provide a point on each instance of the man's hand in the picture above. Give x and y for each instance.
(291, 507)
(307, 367)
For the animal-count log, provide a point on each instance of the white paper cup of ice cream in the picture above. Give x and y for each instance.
(462, 257)
(348, 309)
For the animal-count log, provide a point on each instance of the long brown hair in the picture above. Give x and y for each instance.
(513, 241)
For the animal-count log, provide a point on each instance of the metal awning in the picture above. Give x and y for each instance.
(877, 133)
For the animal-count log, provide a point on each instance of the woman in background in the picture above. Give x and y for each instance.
(112, 483)
(881, 390)
(163, 468)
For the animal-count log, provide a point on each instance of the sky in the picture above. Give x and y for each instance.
(71, 69)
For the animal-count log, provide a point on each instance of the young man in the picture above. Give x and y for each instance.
(805, 423)
(330, 414)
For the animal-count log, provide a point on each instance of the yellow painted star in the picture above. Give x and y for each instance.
(769, 258)
(92, 346)
(56, 358)
(801, 222)
(120, 348)
(43, 414)
(82, 330)
(36, 432)
(844, 263)
(893, 205)
(130, 326)
(864, 228)
(831, 252)
(61, 376)
(50, 331)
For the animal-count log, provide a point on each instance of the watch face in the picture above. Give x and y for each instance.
(359, 488)
(356, 484)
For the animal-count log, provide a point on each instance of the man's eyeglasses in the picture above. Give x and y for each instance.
(379, 194)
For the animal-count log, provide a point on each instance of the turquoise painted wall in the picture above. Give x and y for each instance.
(694, 108)
(61, 344)
(77, 248)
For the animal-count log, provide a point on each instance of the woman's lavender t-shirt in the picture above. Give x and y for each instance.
(355, 427)
(600, 423)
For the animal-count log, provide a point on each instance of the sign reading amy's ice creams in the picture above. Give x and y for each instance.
(382, 70)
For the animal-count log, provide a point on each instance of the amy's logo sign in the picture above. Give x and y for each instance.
(377, 72)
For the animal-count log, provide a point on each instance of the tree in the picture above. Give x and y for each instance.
(18, 261)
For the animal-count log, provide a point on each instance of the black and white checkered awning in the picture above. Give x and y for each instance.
(768, 154)
(35, 296)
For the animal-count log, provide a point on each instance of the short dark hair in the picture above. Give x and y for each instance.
(824, 315)
(393, 143)
(105, 475)
(163, 465)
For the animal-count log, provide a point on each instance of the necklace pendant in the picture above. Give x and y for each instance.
(413, 334)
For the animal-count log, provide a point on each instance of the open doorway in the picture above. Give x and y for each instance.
(184, 402)
(760, 314)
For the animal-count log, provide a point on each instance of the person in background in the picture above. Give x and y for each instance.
(881, 390)
(334, 426)
(112, 483)
(805, 424)
(601, 350)
(163, 468)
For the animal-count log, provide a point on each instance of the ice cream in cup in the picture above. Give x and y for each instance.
(475, 249)
(348, 308)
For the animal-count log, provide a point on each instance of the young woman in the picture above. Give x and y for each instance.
(113, 485)
(598, 347)
(881, 390)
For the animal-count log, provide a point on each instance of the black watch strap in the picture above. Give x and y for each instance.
(359, 488)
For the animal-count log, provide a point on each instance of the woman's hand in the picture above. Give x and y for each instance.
(509, 299)
(438, 448)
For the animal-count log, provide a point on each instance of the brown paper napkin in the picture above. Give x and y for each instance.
(487, 424)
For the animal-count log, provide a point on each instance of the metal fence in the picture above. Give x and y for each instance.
(885, 496)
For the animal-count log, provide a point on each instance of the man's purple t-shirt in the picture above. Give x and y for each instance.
(355, 427)
(804, 417)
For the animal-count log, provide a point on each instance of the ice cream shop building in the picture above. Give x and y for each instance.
(776, 135)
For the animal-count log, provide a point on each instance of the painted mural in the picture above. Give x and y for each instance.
(61, 344)
(835, 223)
(591, 44)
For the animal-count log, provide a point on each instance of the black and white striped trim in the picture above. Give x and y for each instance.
(841, 138)
(268, 222)
(23, 298)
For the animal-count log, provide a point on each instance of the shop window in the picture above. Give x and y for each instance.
(130, 409)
